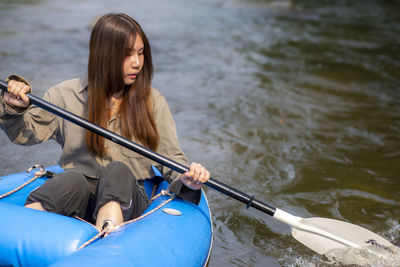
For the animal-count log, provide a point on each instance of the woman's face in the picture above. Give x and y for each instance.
(133, 63)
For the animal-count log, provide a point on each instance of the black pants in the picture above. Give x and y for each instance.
(72, 194)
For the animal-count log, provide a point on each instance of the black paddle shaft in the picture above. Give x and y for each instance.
(223, 188)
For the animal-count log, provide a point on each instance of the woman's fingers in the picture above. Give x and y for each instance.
(195, 172)
(196, 176)
(206, 176)
(199, 173)
(17, 94)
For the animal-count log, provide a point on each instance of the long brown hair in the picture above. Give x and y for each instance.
(110, 44)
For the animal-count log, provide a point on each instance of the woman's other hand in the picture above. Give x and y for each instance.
(195, 177)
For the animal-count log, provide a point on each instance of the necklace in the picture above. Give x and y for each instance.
(114, 103)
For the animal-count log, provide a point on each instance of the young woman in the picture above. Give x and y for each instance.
(103, 182)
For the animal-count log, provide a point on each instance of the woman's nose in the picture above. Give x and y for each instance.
(135, 62)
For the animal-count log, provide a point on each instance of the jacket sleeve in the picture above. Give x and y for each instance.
(28, 126)
(169, 147)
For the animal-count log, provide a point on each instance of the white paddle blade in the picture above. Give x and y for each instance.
(324, 235)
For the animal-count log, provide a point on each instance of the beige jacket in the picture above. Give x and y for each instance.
(35, 125)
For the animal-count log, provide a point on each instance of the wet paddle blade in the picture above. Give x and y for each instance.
(324, 235)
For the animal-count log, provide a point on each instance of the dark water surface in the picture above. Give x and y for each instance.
(296, 102)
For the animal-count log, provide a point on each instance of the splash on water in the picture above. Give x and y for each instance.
(367, 256)
(394, 230)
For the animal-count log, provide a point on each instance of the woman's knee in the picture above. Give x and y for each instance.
(117, 166)
(117, 171)
(76, 180)
(116, 183)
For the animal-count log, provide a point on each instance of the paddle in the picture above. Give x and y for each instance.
(319, 234)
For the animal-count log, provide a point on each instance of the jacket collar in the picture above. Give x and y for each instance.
(84, 84)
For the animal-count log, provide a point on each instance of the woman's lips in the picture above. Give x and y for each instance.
(132, 76)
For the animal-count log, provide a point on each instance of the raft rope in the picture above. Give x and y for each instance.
(40, 173)
(108, 229)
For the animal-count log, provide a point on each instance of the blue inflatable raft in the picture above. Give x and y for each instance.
(177, 234)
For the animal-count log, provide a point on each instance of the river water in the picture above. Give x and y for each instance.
(296, 102)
